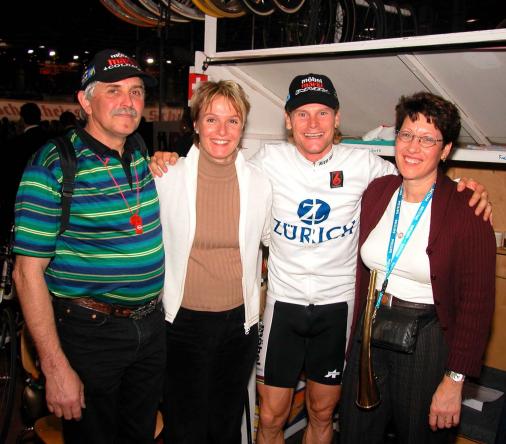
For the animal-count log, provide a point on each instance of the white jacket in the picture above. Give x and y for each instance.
(177, 191)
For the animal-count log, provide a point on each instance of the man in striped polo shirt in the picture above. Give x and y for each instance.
(90, 294)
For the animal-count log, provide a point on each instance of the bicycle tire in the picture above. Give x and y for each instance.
(409, 22)
(289, 6)
(344, 21)
(206, 9)
(320, 17)
(348, 20)
(369, 20)
(134, 11)
(185, 8)
(8, 353)
(380, 6)
(393, 20)
(228, 8)
(154, 8)
(260, 7)
(114, 9)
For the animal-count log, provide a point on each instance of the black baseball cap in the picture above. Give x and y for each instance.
(110, 65)
(311, 88)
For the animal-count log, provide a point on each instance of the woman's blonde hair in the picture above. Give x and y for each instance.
(228, 89)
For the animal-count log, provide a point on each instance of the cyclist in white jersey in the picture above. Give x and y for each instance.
(317, 190)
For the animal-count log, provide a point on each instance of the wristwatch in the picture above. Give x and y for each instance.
(457, 377)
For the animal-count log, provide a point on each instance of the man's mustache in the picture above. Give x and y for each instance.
(124, 112)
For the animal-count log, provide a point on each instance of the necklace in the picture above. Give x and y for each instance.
(135, 218)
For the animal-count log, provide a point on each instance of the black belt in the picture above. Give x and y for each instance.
(390, 300)
(120, 311)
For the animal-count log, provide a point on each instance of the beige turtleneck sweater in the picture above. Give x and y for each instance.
(214, 273)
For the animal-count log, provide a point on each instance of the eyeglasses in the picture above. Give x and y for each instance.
(425, 141)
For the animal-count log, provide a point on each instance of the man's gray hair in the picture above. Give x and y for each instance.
(90, 89)
(88, 94)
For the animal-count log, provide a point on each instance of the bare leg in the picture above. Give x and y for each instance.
(274, 409)
(321, 401)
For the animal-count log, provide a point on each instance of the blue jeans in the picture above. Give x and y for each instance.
(121, 362)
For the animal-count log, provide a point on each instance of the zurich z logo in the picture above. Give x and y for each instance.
(313, 211)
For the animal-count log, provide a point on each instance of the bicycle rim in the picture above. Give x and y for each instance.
(185, 8)
(133, 10)
(314, 22)
(206, 9)
(369, 20)
(114, 9)
(289, 6)
(344, 21)
(228, 8)
(393, 20)
(8, 350)
(260, 7)
(154, 8)
(409, 21)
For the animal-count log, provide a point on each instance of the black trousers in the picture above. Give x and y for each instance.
(406, 384)
(121, 362)
(210, 360)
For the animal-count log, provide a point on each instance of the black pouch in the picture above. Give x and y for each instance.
(396, 328)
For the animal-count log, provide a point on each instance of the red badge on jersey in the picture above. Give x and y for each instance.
(336, 179)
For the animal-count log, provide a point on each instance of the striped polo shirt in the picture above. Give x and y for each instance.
(99, 255)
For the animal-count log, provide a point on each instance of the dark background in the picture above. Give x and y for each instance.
(82, 27)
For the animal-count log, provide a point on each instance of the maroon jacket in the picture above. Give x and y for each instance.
(461, 252)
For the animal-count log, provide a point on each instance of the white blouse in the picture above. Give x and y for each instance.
(410, 278)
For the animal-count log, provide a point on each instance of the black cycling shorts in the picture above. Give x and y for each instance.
(302, 337)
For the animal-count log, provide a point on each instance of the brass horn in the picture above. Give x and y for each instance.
(368, 395)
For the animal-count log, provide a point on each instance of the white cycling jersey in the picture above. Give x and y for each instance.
(315, 220)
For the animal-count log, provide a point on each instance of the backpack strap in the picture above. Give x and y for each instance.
(139, 142)
(68, 162)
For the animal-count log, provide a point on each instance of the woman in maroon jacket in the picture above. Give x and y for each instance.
(434, 258)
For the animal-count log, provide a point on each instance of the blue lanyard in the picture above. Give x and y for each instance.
(392, 261)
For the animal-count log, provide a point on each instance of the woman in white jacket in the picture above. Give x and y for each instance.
(214, 209)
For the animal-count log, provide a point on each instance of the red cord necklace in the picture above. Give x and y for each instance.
(135, 218)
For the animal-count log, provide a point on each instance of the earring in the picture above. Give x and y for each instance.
(443, 159)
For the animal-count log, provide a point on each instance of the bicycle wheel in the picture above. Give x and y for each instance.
(6, 284)
(185, 8)
(139, 14)
(369, 20)
(315, 22)
(206, 9)
(344, 23)
(8, 350)
(289, 6)
(154, 8)
(409, 20)
(260, 7)
(228, 8)
(114, 9)
(393, 20)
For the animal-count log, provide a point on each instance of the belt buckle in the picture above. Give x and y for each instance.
(143, 311)
(386, 300)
